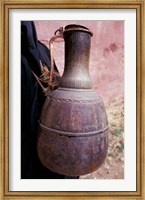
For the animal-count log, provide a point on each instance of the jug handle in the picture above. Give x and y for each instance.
(53, 39)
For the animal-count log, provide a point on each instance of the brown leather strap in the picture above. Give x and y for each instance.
(53, 39)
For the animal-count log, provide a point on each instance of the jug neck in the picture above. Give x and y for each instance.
(77, 52)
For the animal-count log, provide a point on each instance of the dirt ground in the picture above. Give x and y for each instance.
(106, 69)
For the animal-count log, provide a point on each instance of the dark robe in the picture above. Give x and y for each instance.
(32, 100)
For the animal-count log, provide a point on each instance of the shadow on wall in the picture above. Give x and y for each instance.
(106, 57)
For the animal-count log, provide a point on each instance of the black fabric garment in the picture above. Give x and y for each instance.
(32, 100)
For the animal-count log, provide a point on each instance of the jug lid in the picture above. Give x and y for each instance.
(77, 27)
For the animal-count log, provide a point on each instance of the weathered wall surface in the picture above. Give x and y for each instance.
(106, 58)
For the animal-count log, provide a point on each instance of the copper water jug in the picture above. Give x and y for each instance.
(73, 127)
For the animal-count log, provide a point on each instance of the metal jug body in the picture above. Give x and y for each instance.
(73, 127)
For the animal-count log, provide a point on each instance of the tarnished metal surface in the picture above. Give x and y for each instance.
(73, 128)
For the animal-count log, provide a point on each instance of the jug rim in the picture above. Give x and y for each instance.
(77, 27)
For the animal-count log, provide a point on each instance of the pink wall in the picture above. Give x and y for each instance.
(107, 54)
